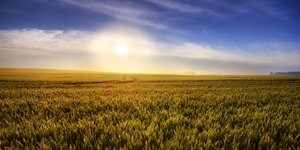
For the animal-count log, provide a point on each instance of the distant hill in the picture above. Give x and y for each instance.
(293, 73)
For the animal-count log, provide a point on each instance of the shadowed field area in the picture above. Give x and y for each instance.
(79, 109)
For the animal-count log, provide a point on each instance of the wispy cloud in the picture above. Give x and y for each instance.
(122, 10)
(158, 15)
(108, 7)
(144, 51)
(200, 9)
(177, 6)
(262, 7)
(223, 9)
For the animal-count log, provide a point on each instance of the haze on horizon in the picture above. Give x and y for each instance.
(152, 36)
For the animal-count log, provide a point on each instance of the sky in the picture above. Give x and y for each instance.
(152, 36)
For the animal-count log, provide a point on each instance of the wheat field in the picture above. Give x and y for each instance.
(60, 109)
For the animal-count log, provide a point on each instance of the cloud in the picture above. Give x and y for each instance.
(41, 42)
(260, 8)
(224, 9)
(261, 56)
(177, 6)
(126, 11)
(95, 51)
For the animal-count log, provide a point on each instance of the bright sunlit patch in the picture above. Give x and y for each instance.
(121, 49)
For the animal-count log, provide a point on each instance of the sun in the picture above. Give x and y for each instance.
(121, 49)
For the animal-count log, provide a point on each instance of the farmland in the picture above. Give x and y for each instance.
(90, 110)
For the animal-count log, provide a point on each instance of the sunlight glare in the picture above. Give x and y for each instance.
(121, 49)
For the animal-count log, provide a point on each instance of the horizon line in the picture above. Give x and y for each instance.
(119, 72)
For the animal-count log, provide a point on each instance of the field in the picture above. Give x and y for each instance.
(89, 110)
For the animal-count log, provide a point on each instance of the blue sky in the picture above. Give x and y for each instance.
(204, 36)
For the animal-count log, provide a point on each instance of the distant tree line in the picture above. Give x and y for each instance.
(297, 73)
